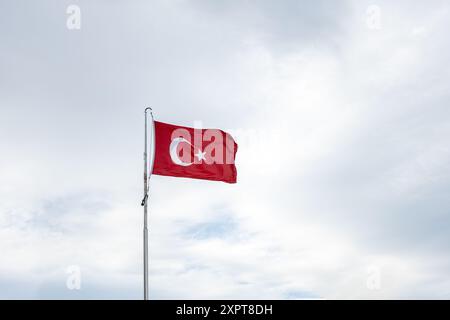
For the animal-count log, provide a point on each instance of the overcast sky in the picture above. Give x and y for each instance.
(342, 115)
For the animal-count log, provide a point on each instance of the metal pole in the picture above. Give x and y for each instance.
(145, 200)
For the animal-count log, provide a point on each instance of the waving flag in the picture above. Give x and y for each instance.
(194, 153)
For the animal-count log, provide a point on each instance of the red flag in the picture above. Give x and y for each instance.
(194, 153)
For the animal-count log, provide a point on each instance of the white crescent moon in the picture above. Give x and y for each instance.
(174, 154)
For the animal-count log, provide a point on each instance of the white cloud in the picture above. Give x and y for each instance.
(355, 121)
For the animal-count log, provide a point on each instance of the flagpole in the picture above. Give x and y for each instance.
(144, 203)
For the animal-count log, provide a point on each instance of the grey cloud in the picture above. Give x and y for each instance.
(284, 26)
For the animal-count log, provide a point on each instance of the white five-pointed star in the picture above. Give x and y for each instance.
(200, 155)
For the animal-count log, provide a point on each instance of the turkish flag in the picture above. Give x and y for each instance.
(194, 153)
